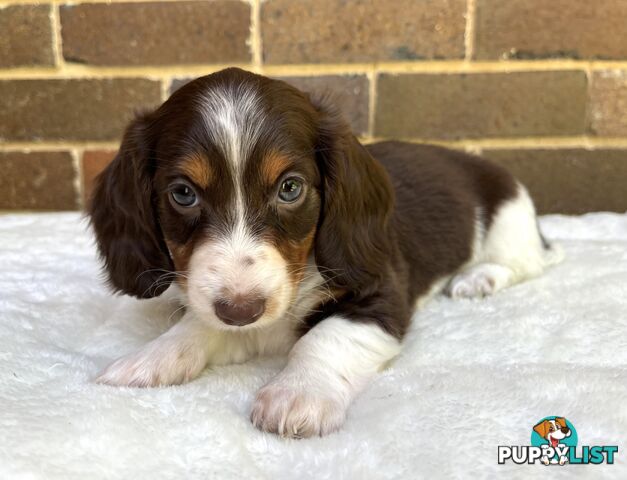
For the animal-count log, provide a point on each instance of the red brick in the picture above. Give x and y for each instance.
(551, 28)
(37, 181)
(25, 36)
(335, 31)
(608, 103)
(72, 109)
(570, 181)
(451, 106)
(93, 162)
(156, 33)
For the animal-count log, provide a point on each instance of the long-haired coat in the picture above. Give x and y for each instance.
(285, 235)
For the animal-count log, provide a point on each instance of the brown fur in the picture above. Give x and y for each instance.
(273, 165)
(295, 254)
(181, 255)
(198, 169)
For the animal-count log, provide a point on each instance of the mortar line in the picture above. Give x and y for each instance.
(57, 42)
(435, 67)
(55, 146)
(469, 32)
(372, 100)
(166, 84)
(84, 71)
(255, 35)
(75, 2)
(529, 143)
(474, 150)
(581, 141)
(588, 104)
(77, 155)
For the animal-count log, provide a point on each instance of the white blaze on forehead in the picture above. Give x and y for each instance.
(235, 262)
(233, 119)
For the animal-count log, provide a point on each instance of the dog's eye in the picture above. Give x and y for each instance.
(183, 195)
(290, 189)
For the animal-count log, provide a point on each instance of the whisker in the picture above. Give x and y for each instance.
(161, 280)
(177, 310)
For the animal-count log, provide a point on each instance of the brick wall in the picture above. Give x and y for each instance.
(540, 86)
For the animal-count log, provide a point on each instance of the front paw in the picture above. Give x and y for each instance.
(471, 285)
(151, 368)
(133, 370)
(294, 410)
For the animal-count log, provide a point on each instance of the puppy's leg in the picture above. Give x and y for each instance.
(326, 368)
(177, 356)
(511, 250)
(480, 280)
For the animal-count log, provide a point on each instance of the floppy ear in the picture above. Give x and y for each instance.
(352, 240)
(124, 218)
(560, 421)
(542, 428)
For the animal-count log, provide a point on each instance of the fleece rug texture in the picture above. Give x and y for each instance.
(473, 375)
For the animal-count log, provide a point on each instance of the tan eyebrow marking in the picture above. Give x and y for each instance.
(196, 167)
(272, 165)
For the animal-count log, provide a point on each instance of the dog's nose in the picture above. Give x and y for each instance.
(565, 430)
(239, 311)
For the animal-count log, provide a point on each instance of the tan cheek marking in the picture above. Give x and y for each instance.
(197, 168)
(181, 255)
(337, 293)
(273, 165)
(295, 254)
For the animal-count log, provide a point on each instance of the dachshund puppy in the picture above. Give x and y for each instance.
(287, 236)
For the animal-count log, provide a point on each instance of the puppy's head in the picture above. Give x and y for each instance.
(231, 188)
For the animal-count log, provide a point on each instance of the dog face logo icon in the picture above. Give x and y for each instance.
(553, 430)
(556, 435)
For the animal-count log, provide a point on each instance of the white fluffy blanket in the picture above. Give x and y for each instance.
(473, 375)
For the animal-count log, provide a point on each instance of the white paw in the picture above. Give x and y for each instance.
(297, 411)
(151, 368)
(472, 285)
(132, 371)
